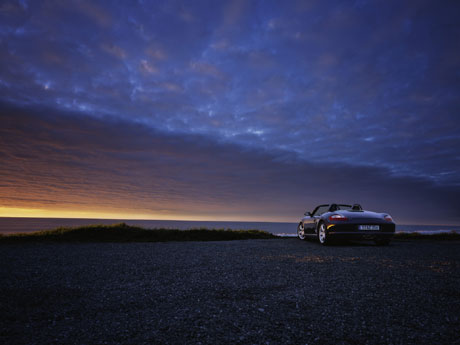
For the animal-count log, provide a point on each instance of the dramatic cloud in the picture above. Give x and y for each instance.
(68, 161)
(231, 109)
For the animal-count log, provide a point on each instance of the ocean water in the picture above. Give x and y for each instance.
(18, 225)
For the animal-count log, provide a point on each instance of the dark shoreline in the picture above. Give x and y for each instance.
(14, 225)
(126, 233)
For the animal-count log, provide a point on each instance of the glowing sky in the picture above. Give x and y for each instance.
(229, 110)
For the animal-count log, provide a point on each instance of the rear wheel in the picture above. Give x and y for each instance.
(322, 234)
(300, 231)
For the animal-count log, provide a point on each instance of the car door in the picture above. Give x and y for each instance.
(316, 216)
(308, 223)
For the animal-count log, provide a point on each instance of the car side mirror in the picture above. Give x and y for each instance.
(307, 214)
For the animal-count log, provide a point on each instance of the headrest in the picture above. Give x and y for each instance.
(357, 207)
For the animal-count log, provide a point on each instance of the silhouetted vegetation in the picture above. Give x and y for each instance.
(126, 233)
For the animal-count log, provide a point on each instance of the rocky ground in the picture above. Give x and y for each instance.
(238, 292)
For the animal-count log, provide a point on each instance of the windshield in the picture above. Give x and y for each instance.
(320, 210)
(327, 208)
(343, 207)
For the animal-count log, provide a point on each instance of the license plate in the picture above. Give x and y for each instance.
(369, 227)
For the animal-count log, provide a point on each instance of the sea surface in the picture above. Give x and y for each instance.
(18, 225)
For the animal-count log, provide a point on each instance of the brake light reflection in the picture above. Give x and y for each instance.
(337, 217)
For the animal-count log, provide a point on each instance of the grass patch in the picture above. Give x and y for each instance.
(126, 233)
(452, 235)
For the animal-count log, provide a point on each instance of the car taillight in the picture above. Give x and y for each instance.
(337, 217)
(388, 218)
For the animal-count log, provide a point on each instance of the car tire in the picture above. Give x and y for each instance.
(381, 242)
(322, 234)
(301, 232)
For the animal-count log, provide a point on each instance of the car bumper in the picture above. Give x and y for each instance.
(365, 235)
(351, 231)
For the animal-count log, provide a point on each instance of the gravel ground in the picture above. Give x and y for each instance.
(238, 292)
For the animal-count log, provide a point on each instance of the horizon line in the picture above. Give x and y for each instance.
(199, 220)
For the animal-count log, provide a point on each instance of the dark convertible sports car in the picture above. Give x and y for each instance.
(346, 222)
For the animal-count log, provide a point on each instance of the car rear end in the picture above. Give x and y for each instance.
(363, 225)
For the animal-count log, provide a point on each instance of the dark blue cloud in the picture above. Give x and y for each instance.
(67, 161)
(369, 85)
